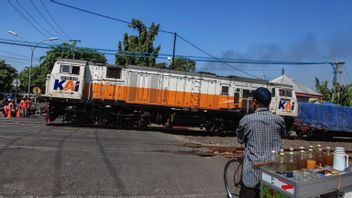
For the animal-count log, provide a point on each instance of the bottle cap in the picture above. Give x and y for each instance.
(291, 153)
(282, 154)
(302, 148)
(273, 151)
(318, 145)
(328, 147)
(281, 150)
(310, 149)
(291, 149)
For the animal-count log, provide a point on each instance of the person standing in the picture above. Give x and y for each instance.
(28, 107)
(23, 107)
(261, 133)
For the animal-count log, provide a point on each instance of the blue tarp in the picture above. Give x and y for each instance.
(326, 116)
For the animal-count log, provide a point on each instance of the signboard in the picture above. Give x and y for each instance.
(37, 90)
(16, 83)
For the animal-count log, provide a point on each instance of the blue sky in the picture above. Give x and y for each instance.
(293, 30)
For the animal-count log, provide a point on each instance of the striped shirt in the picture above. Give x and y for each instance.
(261, 133)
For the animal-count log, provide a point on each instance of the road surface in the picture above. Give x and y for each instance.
(64, 161)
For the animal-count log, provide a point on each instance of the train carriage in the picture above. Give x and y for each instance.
(82, 91)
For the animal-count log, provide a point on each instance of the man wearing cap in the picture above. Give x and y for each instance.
(261, 133)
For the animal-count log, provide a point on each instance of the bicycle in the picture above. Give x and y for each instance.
(233, 177)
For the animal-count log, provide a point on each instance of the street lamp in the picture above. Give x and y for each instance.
(32, 53)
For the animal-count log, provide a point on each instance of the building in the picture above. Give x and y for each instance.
(303, 93)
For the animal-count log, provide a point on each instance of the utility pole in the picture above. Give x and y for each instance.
(74, 42)
(173, 51)
(337, 67)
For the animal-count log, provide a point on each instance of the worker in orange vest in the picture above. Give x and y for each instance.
(28, 107)
(23, 107)
(11, 107)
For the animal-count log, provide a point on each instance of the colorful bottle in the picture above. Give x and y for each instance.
(311, 163)
(302, 161)
(328, 157)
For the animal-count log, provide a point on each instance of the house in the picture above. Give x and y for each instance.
(303, 93)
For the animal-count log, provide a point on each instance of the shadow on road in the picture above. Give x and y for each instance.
(176, 130)
(113, 172)
(12, 142)
(58, 166)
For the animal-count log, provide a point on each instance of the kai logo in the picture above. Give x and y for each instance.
(66, 85)
(286, 105)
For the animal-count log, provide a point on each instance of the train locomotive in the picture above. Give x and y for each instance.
(135, 96)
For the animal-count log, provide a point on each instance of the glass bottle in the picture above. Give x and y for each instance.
(281, 167)
(311, 163)
(302, 161)
(292, 165)
(274, 160)
(319, 158)
(328, 157)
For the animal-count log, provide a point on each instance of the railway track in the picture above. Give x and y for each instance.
(233, 151)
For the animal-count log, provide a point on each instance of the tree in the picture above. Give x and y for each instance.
(339, 94)
(38, 77)
(65, 51)
(323, 89)
(138, 50)
(183, 64)
(7, 75)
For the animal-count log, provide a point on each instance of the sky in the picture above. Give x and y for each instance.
(278, 30)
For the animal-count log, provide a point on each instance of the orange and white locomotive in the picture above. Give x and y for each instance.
(82, 91)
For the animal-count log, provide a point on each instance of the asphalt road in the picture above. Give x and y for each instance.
(63, 161)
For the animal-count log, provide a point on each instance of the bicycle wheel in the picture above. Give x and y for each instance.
(233, 177)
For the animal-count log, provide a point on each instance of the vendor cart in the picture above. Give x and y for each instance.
(313, 184)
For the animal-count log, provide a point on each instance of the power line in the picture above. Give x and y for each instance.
(52, 18)
(165, 56)
(40, 13)
(12, 57)
(12, 53)
(100, 15)
(26, 19)
(29, 14)
(215, 57)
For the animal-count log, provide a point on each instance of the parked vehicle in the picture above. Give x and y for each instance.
(324, 120)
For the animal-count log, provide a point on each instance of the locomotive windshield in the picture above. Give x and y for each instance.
(285, 92)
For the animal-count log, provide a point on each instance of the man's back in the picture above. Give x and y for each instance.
(261, 133)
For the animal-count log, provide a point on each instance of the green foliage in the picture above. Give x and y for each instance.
(138, 50)
(65, 51)
(38, 77)
(339, 94)
(7, 75)
(183, 64)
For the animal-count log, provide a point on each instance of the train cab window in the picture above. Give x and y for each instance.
(113, 73)
(285, 92)
(225, 90)
(65, 69)
(75, 70)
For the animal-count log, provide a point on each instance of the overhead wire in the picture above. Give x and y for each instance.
(24, 17)
(100, 15)
(13, 53)
(29, 14)
(165, 56)
(53, 19)
(123, 21)
(44, 18)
